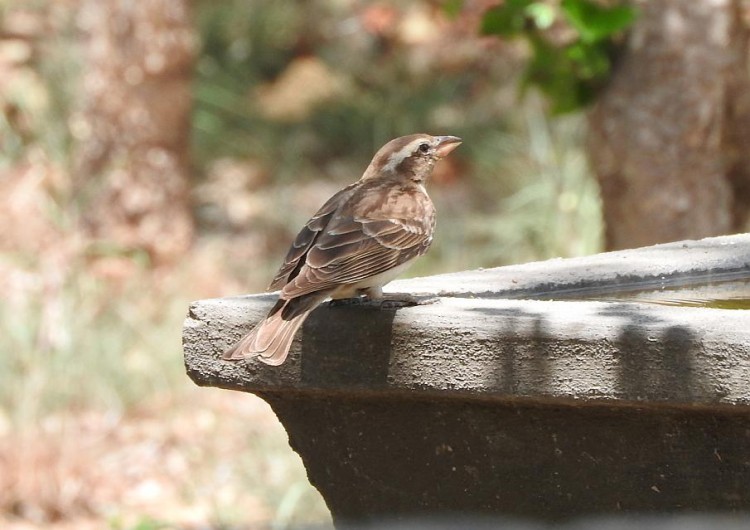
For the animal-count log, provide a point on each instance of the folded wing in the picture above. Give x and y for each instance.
(352, 249)
(294, 259)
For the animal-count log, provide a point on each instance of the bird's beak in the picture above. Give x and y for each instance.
(446, 144)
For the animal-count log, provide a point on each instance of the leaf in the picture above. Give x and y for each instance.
(594, 22)
(452, 8)
(590, 60)
(507, 20)
(542, 14)
(570, 74)
(556, 74)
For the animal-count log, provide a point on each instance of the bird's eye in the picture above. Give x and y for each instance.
(423, 148)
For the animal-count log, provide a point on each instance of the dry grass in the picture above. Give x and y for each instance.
(99, 426)
(221, 464)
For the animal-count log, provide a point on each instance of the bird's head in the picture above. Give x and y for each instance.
(411, 157)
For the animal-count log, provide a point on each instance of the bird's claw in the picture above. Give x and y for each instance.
(342, 302)
(397, 301)
(394, 304)
(388, 302)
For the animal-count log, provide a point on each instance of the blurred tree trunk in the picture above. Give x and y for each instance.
(133, 130)
(670, 136)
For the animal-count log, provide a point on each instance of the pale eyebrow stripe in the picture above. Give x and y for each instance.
(398, 157)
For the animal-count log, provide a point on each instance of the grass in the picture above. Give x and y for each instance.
(82, 343)
(534, 199)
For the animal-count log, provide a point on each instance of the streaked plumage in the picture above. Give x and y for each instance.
(359, 240)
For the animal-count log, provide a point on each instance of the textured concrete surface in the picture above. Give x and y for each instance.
(503, 349)
(372, 458)
(671, 264)
(489, 403)
(472, 341)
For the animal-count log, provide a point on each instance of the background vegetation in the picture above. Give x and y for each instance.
(99, 426)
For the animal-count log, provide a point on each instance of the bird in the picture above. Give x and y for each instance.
(363, 237)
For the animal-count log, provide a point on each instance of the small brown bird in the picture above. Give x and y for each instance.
(361, 238)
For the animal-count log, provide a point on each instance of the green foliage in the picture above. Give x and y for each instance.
(569, 71)
(452, 8)
(507, 20)
(596, 23)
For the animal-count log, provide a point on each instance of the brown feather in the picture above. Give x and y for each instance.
(307, 237)
(272, 337)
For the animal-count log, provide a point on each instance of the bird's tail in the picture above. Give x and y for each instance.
(271, 339)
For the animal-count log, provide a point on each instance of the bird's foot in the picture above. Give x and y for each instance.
(388, 301)
(399, 300)
(345, 302)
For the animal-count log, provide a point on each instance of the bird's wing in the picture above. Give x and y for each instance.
(353, 247)
(306, 238)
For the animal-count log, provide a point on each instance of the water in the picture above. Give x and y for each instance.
(722, 294)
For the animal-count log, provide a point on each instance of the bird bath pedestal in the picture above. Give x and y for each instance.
(500, 400)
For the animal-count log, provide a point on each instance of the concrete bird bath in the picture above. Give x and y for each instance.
(513, 395)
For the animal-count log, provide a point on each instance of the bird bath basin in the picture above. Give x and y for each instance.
(549, 390)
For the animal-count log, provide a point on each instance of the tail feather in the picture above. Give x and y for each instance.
(271, 339)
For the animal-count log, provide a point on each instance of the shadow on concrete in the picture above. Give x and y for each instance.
(520, 349)
(655, 365)
(652, 365)
(347, 345)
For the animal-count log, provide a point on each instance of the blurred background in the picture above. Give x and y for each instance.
(154, 153)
